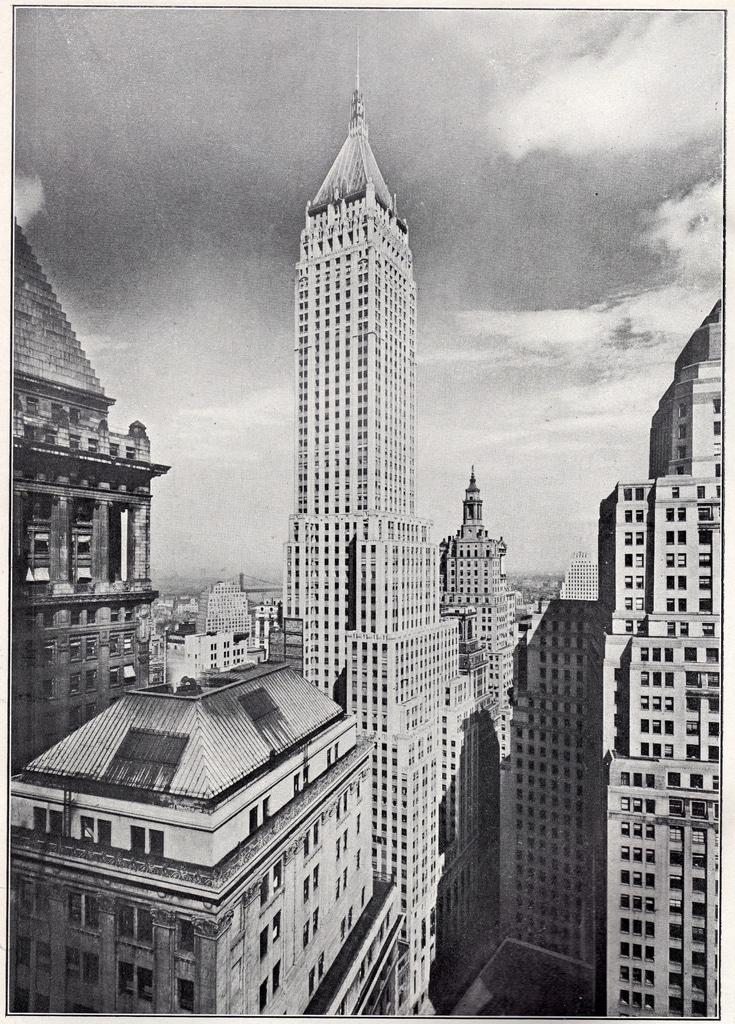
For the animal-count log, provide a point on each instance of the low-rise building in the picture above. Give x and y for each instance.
(203, 853)
(218, 652)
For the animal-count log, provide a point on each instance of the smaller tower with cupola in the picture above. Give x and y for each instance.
(473, 577)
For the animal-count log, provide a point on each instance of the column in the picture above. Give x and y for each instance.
(131, 544)
(208, 933)
(57, 938)
(108, 962)
(164, 995)
(60, 538)
(138, 542)
(114, 546)
(101, 540)
(20, 520)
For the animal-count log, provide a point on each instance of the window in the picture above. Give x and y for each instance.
(137, 839)
(186, 994)
(276, 976)
(263, 995)
(155, 839)
(145, 984)
(186, 935)
(276, 926)
(263, 943)
(90, 968)
(135, 922)
(72, 962)
(125, 978)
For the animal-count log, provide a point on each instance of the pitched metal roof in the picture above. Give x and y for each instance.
(350, 172)
(194, 746)
(355, 164)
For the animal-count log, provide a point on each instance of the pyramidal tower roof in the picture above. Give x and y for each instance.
(355, 165)
(44, 344)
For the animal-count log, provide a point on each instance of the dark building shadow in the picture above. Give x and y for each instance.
(467, 910)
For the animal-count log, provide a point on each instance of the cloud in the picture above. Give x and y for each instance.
(614, 339)
(29, 199)
(688, 231)
(656, 85)
(248, 430)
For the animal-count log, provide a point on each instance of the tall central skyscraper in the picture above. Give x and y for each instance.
(361, 573)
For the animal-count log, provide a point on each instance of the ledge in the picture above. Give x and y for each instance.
(244, 855)
(348, 954)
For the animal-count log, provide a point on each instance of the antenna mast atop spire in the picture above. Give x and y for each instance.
(357, 62)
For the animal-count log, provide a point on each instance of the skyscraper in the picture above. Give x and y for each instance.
(361, 573)
(580, 579)
(473, 576)
(223, 608)
(81, 528)
(660, 578)
(552, 817)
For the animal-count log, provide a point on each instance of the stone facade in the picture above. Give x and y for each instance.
(472, 570)
(660, 577)
(81, 529)
(257, 899)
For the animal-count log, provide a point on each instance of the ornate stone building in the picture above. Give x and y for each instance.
(473, 576)
(203, 853)
(81, 529)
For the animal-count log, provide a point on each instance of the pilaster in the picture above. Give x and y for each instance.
(101, 539)
(60, 539)
(57, 933)
(108, 981)
(164, 924)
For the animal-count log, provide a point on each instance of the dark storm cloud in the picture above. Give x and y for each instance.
(169, 155)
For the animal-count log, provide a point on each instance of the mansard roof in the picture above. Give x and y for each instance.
(44, 344)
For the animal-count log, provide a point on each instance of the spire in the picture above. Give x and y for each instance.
(472, 503)
(357, 64)
(355, 166)
(358, 124)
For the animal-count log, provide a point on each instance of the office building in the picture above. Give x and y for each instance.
(580, 579)
(81, 529)
(204, 853)
(223, 608)
(362, 575)
(469, 817)
(263, 617)
(553, 799)
(660, 573)
(209, 653)
(473, 576)
(472, 571)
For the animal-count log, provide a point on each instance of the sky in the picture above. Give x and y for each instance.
(560, 172)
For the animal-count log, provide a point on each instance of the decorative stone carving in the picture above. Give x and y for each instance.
(163, 917)
(126, 862)
(106, 903)
(208, 929)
